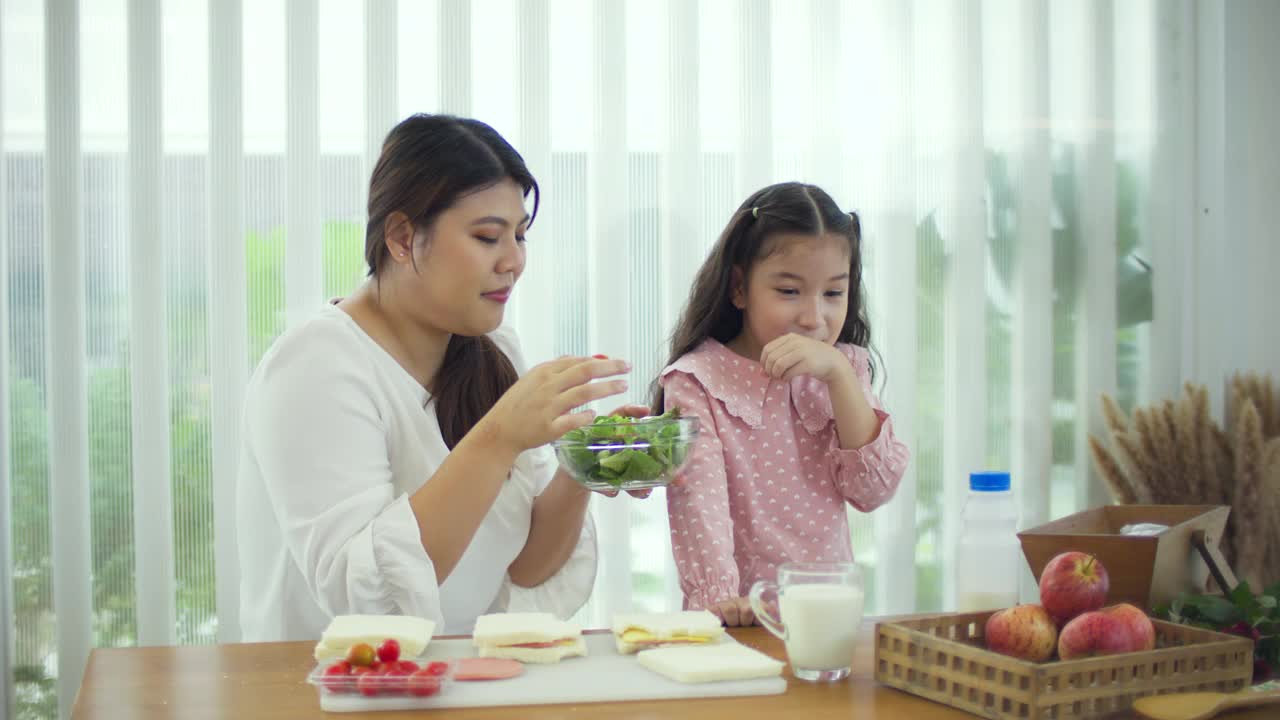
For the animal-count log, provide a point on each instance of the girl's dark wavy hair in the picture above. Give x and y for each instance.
(429, 162)
(751, 236)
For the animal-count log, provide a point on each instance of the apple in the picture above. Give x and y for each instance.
(1073, 583)
(1110, 631)
(1142, 631)
(1024, 631)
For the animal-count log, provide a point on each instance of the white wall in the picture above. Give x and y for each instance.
(1236, 277)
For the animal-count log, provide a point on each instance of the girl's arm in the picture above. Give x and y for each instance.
(856, 421)
(701, 527)
(868, 461)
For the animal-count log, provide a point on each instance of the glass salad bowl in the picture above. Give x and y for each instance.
(624, 453)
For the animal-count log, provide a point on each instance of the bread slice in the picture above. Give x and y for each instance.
(639, 631)
(527, 637)
(710, 663)
(413, 634)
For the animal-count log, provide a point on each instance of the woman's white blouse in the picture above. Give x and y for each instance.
(336, 436)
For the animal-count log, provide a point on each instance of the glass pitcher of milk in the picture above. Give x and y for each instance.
(820, 605)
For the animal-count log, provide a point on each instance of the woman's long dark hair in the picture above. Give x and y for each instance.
(427, 163)
(791, 208)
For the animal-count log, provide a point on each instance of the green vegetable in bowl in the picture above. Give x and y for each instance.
(618, 450)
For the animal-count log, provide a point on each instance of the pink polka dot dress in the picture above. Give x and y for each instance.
(767, 481)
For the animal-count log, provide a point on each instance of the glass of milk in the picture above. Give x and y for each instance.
(820, 609)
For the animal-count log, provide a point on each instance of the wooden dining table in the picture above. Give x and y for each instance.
(267, 680)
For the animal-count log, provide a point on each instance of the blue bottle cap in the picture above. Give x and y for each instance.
(989, 481)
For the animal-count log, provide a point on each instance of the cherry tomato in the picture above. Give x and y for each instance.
(436, 668)
(395, 682)
(423, 684)
(408, 666)
(337, 677)
(370, 683)
(599, 356)
(361, 654)
(389, 650)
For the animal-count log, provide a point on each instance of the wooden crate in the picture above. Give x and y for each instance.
(943, 658)
(1144, 570)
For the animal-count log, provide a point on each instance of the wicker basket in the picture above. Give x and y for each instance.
(942, 658)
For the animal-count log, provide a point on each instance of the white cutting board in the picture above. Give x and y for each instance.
(602, 676)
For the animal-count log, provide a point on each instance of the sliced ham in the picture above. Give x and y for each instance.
(486, 669)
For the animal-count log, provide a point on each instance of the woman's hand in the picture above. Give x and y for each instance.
(793, 355)
(538, 408)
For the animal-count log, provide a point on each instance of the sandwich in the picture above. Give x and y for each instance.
(413, 634)
(710, 663)
(528, 637)
(638, 631)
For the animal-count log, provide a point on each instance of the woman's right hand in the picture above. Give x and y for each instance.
(538, 407)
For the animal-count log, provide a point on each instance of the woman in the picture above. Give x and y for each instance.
(395, 456)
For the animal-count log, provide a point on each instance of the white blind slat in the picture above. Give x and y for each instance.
(893, 281)
(228, 309)
(380, 79)
(755, 85)
(536, 328)
(1032, 357)
(1171, 200)
(64, 278)
(682, 211)
(826, 156)
(610, 270)
(302, 246)
(7, 642)
(963, 223)
(1096, 329)
(148, 345)
(454, 59)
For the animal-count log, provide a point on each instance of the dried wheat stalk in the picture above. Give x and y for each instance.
(1187, 439)
(1140, 470)
(1248, 494)
(1166, 440)
(1122, 491)
(1147, 443)
(1271, 493)
(1117, 423)
(1175, 453)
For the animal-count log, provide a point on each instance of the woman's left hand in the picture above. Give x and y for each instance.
(792, 355)
(630, 411)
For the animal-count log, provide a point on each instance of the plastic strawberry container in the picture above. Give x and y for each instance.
(409, 684)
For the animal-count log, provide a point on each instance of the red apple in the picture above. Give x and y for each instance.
(1118, 629)
(1141, 630)
(1073, 583)
(1024, 631)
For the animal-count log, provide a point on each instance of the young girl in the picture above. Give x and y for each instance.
(770, 355)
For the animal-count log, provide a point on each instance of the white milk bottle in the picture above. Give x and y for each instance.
(988, 557)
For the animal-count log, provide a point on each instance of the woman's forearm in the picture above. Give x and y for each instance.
(451, 505)
(555, 527)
